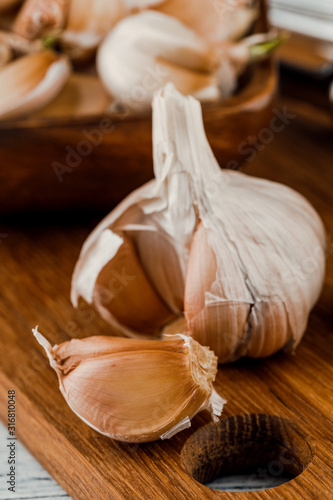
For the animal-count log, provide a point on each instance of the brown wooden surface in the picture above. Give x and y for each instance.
(307, 54)
(36, 261)
(121, 160)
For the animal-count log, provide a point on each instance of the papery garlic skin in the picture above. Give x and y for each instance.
(249, 288)
(146, 50)
(45, 74)
(135, 390)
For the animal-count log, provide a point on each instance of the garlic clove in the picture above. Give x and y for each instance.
(216, 296)
(45, 74)
(37, 17)
(214, 20)
(130, 390)
(146, 50)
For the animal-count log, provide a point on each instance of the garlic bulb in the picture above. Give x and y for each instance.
(90, 20)
(45, 74)
(135, 390)
(242, 257)
(37, 17)
(214, 20)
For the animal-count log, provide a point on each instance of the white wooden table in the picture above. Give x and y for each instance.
(33, 482)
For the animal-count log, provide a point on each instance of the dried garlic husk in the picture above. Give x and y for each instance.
(38, 17)
(45, 74)
(214, 20)
(145, 51)
(135, 390)
(241, 246)
(90, 20)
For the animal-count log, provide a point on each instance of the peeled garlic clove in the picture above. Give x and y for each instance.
(257, 259)
(214, 20)
(29, 83)
(37, 17)
(146, 50)
(135, 391)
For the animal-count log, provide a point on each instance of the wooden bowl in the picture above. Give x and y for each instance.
(93, 161)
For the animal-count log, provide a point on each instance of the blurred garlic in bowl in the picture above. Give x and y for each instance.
(147, 50)
(78, 107)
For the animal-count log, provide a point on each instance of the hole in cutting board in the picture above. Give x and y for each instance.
(246, 453)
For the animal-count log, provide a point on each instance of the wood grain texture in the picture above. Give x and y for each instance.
(37, 260)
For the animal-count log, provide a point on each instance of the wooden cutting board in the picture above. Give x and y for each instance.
(36, 262)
